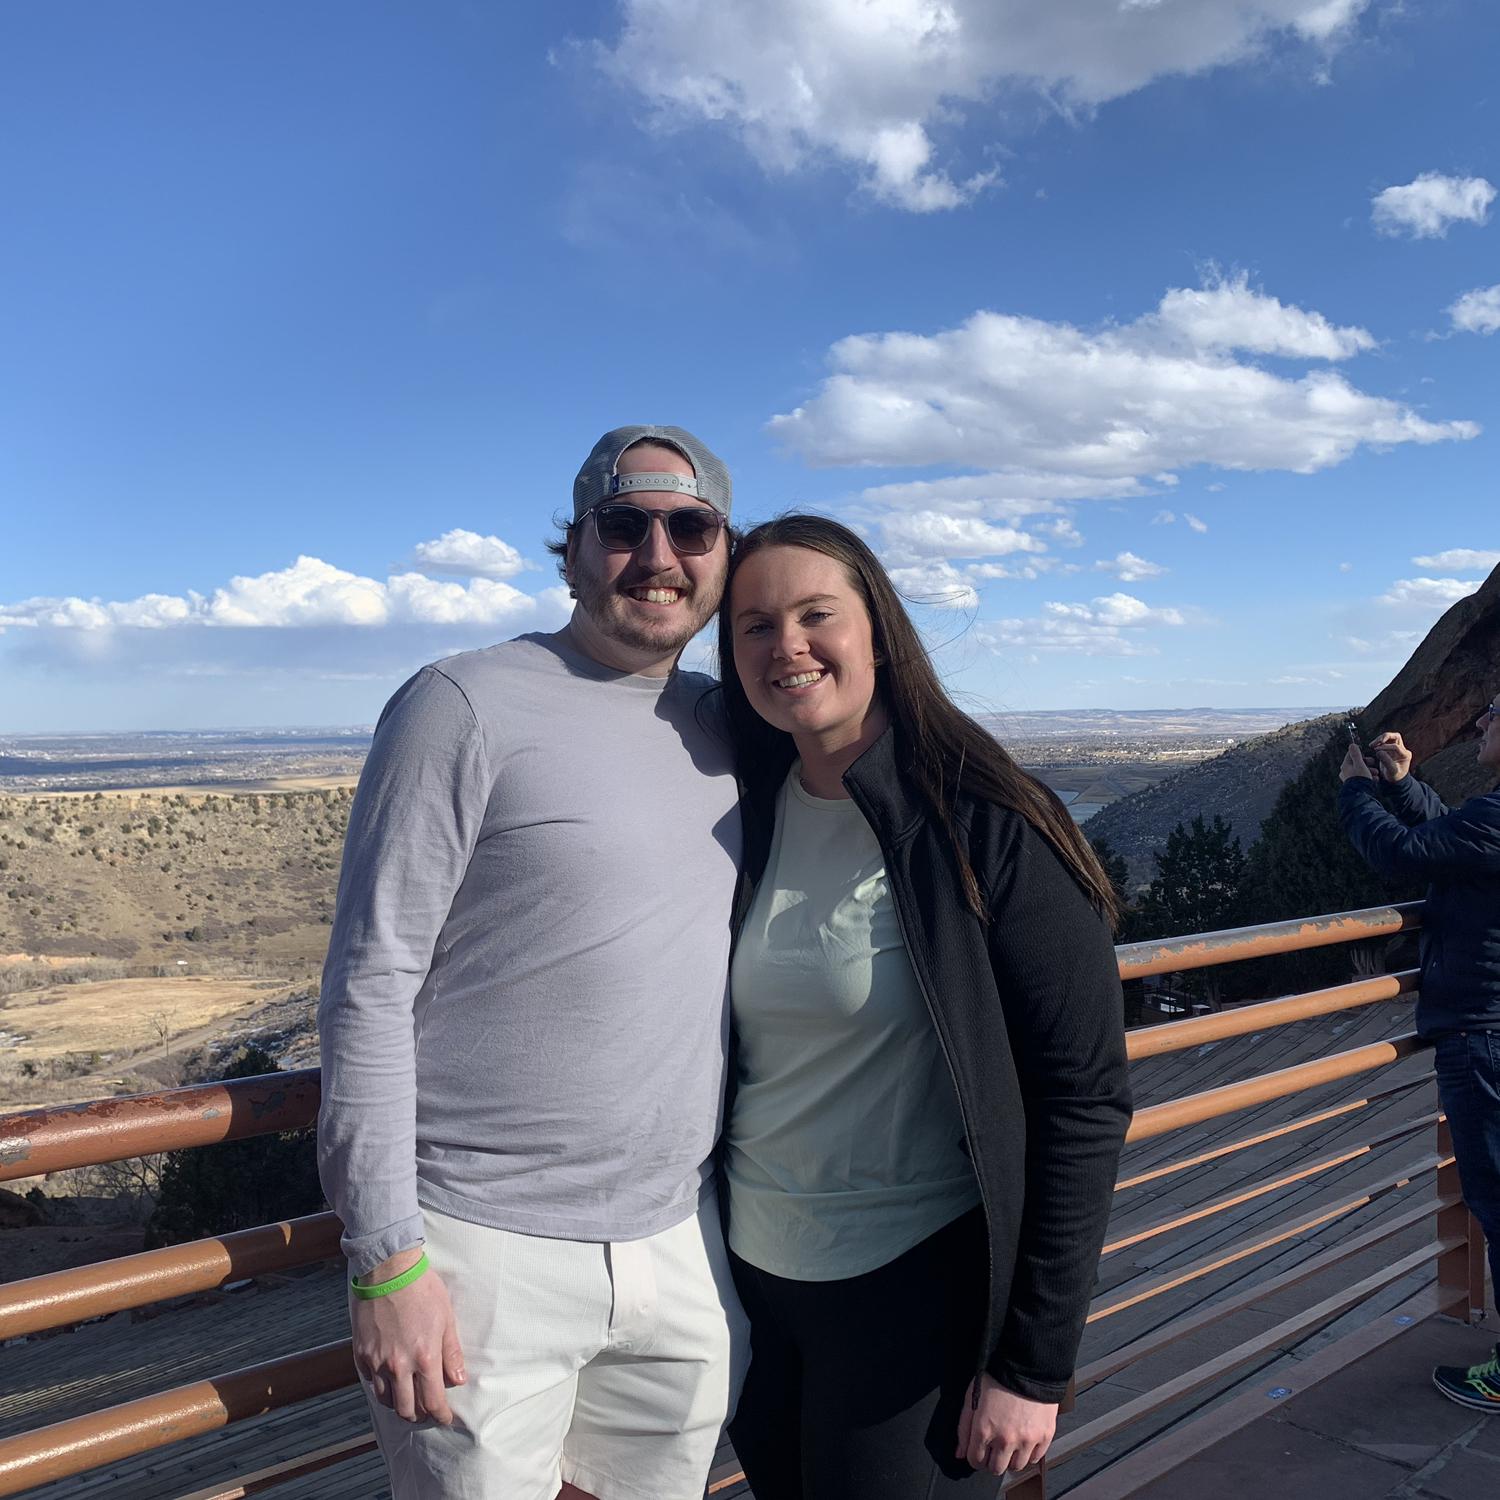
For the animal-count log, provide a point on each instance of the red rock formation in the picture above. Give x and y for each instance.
(1435, 698)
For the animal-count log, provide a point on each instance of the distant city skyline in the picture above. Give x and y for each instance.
(1157, 361)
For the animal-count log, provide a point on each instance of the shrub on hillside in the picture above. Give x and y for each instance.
(216, 1189)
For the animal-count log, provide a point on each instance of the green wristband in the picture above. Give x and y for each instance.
(385, 1288)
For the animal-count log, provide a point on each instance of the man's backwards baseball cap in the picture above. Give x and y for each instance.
(597, 480)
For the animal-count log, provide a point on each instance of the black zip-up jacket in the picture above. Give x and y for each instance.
(1404, 832)
(1029, 1013)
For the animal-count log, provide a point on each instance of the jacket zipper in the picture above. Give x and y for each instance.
(944, 1048)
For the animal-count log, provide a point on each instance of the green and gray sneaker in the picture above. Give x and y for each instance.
(1478, 1386)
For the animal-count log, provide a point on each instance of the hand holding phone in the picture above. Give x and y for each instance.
(1391, 755)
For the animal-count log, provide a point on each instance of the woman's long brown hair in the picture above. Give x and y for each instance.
(945, 751)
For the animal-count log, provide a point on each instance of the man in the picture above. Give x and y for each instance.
(1404, 831)
(524, 1027)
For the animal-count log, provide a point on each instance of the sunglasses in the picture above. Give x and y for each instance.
(692, 530)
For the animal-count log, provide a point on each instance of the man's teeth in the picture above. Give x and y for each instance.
(657, 596)
(801, 679)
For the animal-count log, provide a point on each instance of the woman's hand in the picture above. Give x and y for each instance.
(1354, 764)
(1003, 1431)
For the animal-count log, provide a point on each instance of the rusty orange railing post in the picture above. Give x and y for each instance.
(1461, 1269)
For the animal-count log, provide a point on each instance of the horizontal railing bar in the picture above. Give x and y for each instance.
(79, 1135)
(291, 1468)
(1178, 1036)
(1321, 1117)
(80, 1443)
(1270, 1185)
(1193, 1109)
(1138, 1470)
(108, 1286)
(1208, 1313)
(1288, 1330)
(1202, 950)
(1277, 1234)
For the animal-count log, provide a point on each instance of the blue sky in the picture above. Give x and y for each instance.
(1150, 341)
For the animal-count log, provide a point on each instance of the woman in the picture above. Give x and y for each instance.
(930, 1087)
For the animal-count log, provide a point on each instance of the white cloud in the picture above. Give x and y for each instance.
(1425, 207)
(1230, 315)
(1460, 560)
(1109, 626)
(1393, 644)
(912, 535)
(1428, 592)
(469, 555)
(1346, 567)
(1010, 496)
(1194, 524)
(868, 84)
(937, 582)
(1163, 518)
(1018, 395)
(1128, 568)
(1477, 311)
(310, 594)
(987, 572)
(1062, 531)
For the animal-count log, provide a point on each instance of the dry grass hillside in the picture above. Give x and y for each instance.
(140, 932)
(151, 879)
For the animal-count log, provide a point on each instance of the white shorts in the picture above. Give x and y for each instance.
(612, 1366)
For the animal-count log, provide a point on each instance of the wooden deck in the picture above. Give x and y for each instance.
(44, 1379)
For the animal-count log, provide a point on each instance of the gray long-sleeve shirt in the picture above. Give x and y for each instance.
(524, 1013)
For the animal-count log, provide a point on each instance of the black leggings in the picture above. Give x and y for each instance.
(855, 1386)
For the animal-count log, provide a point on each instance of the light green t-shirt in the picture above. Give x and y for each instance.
(845, 1140)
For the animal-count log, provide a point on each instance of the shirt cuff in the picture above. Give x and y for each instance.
(366, 1251)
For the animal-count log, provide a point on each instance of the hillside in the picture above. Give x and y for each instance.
(1241, 785)
(160, 882)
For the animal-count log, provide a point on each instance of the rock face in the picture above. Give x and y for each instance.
(1435, 698)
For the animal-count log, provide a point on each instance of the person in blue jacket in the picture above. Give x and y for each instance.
(1404, 832)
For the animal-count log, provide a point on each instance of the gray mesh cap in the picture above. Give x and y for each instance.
(598, 482)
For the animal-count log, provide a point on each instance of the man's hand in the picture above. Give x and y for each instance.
(1004, 1431)
(406, 1344)
(1392, 755)
(1354, 764)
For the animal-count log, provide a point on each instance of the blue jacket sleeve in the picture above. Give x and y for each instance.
(1412, 801)
(1458, 845)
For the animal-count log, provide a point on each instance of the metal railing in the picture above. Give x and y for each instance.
(47, 1140)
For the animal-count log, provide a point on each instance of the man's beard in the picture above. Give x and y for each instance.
(607, 606)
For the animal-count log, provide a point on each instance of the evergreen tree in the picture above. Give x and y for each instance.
(237, 1185)
(1303, 865)
(1113, 863)
(1119, 877)
(1197, 883)
(1196, 889)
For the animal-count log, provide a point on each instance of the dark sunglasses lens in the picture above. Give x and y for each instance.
(693, 530)
(622, 528)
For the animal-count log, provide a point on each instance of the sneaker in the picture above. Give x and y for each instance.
(1478, 1386)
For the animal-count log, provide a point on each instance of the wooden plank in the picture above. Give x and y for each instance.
(1289, 1330)
(1135, 1472)
(1205, 1316)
